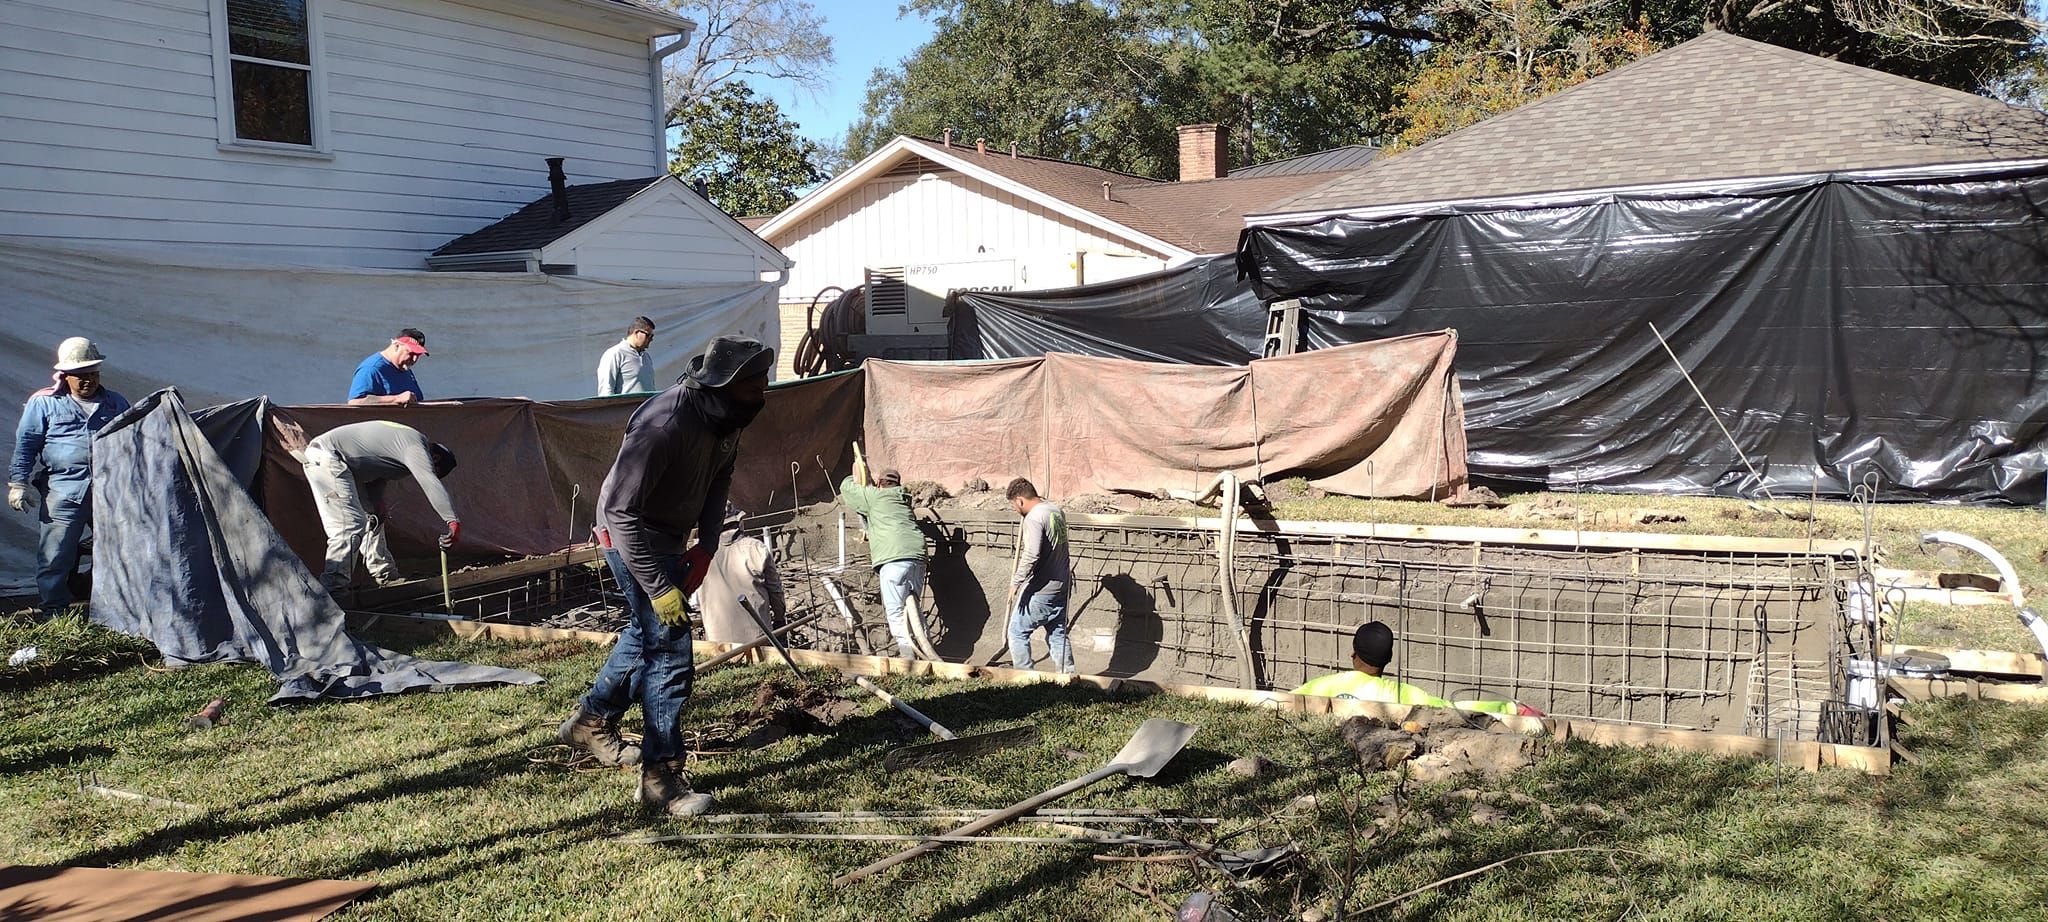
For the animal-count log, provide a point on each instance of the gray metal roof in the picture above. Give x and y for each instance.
(1348, 157)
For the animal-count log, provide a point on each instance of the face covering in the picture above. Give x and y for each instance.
(720, 411)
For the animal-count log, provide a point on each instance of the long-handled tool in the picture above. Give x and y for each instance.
(768, 634)
(447, 597)
(950, 745)
(1157, 741)
(755, 644)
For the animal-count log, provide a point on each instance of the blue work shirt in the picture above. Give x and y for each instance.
(377, 377)
(55, 438)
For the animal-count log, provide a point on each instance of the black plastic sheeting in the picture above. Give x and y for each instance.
(1200, 313)
(1888, 328)
(185, 559)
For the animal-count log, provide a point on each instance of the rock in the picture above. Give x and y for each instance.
(1378, 748)
(1312, 914)
(1491, 754)
(1073, 755)
(1249, 766)
(1474, 498)
(1484, 815)
(974, 485)
(1431, 767)
(1305, 805)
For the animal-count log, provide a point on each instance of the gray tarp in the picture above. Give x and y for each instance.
(184, 559)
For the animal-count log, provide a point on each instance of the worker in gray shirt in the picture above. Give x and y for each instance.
(626, 367)
(348, 468)
(1038, 590)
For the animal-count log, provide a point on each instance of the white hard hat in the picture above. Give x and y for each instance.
(78, 354)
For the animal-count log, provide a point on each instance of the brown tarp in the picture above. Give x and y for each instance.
(98, 894)
(521, 461)
(1373, 419)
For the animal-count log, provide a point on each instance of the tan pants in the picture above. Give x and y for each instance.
(350, 528)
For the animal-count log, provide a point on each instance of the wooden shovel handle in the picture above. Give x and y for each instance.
(755, 644)
(994, 819)
(939, 730)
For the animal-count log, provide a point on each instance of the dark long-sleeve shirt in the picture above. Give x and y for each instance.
(380, 451)
(672, 475)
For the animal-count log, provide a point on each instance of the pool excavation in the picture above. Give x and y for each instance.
(1720, 643)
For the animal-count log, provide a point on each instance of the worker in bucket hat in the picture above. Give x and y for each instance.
(52, 466)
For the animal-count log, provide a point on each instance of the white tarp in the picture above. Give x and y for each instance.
(223, 332)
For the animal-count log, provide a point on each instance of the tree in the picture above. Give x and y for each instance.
(1062, 78)
(736, 39)
(1517, 51)
(750, 158)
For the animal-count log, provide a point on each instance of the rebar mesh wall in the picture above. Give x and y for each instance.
(1739, 642)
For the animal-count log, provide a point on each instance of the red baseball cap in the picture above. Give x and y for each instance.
(411, 345)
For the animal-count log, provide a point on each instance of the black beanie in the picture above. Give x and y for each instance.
(1373, 644)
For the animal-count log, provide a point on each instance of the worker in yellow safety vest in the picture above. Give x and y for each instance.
(1372, 648)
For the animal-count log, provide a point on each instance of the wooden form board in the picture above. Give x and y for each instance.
(1457, 534)
(1806, 755)
(1923, 689)
(431, 586)
(1985, 662)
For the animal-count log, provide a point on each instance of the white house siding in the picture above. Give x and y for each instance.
(894, 221)
(667, 243)
(439, 116)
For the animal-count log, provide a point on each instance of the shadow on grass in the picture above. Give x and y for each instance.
(39, 758)
(477, 773)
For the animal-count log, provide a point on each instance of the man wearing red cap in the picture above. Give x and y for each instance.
(385, 378)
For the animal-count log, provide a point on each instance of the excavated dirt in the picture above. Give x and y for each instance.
(1443, 744)
(779, 710)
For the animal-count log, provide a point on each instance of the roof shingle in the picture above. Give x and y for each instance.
(534, 226)
(1716, 107)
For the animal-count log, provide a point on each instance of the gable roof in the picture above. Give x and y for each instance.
(1716, 107)
(591, 205)
(1178, 219)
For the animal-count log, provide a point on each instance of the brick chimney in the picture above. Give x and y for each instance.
(1203, 153)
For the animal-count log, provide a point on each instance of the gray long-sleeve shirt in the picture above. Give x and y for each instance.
(623, 370)
(1042, 564)
(672, 475)
(381, 451)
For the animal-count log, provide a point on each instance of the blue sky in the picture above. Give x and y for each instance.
(866, 34)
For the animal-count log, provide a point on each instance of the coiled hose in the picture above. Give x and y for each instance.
(823, 348)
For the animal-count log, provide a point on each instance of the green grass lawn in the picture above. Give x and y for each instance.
(2021, 534)
(459, 807)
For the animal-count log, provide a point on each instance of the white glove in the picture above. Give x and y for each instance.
(17, 497)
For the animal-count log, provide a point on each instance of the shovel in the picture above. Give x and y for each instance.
(950, 746)
(1157, 741)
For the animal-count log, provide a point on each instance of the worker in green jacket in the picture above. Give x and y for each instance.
(1372, 648)
(895, 547)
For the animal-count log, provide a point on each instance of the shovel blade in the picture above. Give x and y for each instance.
(1157, 741)
(925, 754)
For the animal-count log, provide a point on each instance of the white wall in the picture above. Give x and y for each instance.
(894, 221)
(440, 114)
(675, 237)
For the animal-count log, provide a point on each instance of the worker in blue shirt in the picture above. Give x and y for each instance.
(385, 378)
(53, 454)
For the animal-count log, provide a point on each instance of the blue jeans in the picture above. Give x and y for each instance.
(64, 517)
(650, 664)
(1047, 610)
(901, 580)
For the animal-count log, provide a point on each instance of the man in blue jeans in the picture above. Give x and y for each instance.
(673, 473)
(1038, 590)
(53, 456)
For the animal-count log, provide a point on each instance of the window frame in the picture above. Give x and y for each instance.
(316, 88)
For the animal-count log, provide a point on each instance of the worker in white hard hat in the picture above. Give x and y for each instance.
(53, 458)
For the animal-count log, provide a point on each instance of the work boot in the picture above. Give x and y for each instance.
(665, 789)
(599, 737)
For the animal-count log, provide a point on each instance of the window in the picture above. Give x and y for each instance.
(265, 73)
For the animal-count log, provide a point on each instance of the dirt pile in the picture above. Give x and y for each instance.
(1436, 744)
(1551, 508)
(778, 711)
